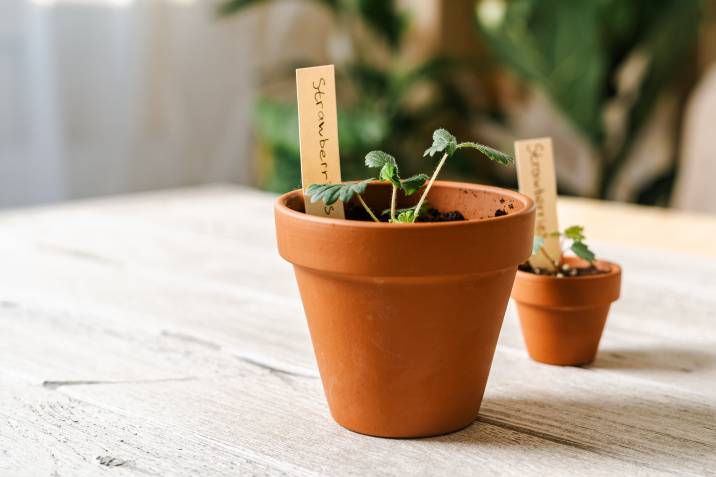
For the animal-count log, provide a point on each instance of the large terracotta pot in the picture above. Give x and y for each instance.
(563, 318)
(404, 318)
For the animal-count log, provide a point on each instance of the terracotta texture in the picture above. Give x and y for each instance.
(563, 318)
(404, 319)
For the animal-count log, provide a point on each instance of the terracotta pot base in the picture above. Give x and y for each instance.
(404, 357)
(404, 319)
(562, 337)
(434, 432)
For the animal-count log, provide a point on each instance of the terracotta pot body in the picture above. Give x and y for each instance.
(563, 318)
(404, 318)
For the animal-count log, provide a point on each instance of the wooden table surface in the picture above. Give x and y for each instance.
(161, 334)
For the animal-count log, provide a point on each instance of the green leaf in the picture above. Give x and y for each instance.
(423, 209)
(389, 173)
(575, 232)
(494, 154)
(443, 142)
(388, 166)
(412, 184)
(406, 216)
(330, 193)
(581, 250)
(377, 159)
(537, 243)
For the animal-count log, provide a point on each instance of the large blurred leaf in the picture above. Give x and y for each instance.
(229, 7)
(575, 50)
(359, 130)
(556, 45)
(277, 124)
(384, 18)
(666, 41)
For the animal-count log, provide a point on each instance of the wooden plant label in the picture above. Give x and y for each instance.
(536, 178)
(318, 134)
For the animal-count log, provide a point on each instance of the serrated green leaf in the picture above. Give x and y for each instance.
(315, 191)
(359, 187)
(313, 188)
(378, 159)
(389, 172)
(325, 194)
(387, 164)
(330, 193)
(412, 184)
(537, 243)
(575, 232)
(405, 217)
(345, 194)
(494, 154)
(581, 250)
(443, 142)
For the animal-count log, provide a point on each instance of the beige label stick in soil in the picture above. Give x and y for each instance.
(536, 178)
(318, 134)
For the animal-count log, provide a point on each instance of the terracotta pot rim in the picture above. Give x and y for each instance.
(282, 208)
(614, 269)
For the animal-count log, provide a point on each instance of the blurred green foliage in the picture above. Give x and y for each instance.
(574, 51)
(381, 16)
(377, 107)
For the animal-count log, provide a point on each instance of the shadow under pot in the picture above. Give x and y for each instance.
(562, 318)
(404, 318)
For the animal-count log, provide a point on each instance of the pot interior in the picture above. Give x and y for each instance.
(472, 201)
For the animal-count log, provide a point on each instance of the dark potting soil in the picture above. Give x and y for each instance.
(357, 212)
(507, 204)
(434, 215)
(565, 272)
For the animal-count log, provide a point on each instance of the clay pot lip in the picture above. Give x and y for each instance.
(614, 269)
(281, 208)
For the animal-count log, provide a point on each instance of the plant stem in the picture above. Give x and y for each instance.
(365, 206)
(430, 184)
(554, 264)
(393, 199)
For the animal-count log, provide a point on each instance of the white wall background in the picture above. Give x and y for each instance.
(108, 96)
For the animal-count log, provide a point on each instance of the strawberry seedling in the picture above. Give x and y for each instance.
(443, 143)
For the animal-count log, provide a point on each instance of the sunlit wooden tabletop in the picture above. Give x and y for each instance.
(160, 334)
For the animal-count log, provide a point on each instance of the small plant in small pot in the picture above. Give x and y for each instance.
(563, 309)
(404, 308)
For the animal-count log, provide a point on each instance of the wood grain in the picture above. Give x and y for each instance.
(160, 334)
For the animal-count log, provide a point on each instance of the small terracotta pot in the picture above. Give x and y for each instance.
(404, 318)
(563, 318)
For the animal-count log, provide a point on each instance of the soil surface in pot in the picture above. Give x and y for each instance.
(566, 271)
(357, 212)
